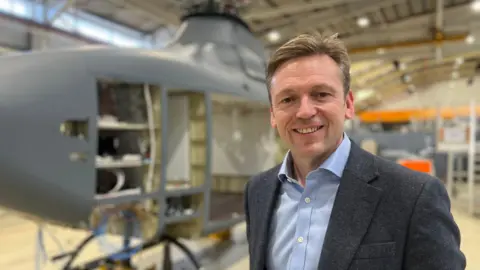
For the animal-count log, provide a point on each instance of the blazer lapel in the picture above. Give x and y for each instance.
(352, 212)
(265, 201)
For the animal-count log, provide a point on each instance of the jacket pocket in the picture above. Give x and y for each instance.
(378, 250)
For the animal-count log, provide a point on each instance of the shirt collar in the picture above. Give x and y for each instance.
(335, 163)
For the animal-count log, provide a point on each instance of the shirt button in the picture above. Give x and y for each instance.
(307, 200)
(300, 239)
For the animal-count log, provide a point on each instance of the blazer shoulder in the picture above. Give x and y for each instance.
(396, 174)
(272, 172)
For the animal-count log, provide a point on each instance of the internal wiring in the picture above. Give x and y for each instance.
(151, 129)
(120, 181)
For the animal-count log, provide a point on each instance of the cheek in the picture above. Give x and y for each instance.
(334, 114)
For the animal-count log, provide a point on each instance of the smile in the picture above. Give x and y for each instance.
(307, 130)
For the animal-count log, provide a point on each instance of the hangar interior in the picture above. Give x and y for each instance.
(187, 154)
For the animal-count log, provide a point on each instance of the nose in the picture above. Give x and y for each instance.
(306, 109)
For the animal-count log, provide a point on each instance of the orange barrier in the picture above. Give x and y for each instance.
(399, 116)
(420, 165)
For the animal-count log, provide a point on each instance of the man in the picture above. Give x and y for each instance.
(331, 205)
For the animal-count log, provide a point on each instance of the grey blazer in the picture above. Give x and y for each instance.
(385, 217)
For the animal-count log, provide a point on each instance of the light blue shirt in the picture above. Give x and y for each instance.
(302, 215)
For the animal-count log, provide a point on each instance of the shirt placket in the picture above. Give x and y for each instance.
(299, 250)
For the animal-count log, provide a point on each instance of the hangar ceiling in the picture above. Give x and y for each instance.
(396, 46)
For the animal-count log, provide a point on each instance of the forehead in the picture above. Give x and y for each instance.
(307, 73)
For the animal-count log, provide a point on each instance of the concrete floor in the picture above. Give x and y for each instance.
(17, 248)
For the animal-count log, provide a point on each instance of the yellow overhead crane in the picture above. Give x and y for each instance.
(438, 38)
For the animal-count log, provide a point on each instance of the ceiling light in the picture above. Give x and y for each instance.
(475, 6)
(470, 39)
(363, 22)
(273, 36)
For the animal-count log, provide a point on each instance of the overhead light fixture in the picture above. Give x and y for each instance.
(273, 36)
(475, 6)
(363, 22)
(470, 39)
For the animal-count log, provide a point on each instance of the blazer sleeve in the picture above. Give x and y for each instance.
(433, 241)
(247, 215)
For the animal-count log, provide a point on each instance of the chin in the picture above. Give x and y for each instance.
(311, 150)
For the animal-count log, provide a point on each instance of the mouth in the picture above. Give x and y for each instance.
(307, 130)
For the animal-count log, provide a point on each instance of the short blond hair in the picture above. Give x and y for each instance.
(308, 45)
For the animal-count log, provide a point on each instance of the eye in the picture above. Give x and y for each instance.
(320, 94)
(286, 100)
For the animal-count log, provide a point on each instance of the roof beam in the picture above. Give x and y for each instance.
(387, 80)
(291, 9)
(403, 25)
(326, 17)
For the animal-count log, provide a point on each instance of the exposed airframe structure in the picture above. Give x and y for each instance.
(84, 130)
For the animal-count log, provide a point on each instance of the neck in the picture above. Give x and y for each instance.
(304, 165)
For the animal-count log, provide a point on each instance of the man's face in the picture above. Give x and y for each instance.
(309, 106)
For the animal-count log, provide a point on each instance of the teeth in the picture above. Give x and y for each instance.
(307, 130)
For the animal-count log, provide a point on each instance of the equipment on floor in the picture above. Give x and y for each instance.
(458, 140)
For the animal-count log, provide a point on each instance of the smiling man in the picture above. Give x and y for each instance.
(331, 205)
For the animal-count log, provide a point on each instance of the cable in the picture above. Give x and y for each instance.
(184, 248)
(42, 255)
(120, 181)
(102, 230)
(151, 129)
(74, 254)
(40, 251)
(98, 231)
(154, 241)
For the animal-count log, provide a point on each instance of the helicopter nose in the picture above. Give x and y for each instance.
(40, 172)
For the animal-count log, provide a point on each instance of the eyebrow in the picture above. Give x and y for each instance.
(322, 86)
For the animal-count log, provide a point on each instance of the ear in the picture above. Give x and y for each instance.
(350, 109)
(273, 123)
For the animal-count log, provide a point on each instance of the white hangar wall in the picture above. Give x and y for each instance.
(455, 93)
(23, 27)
